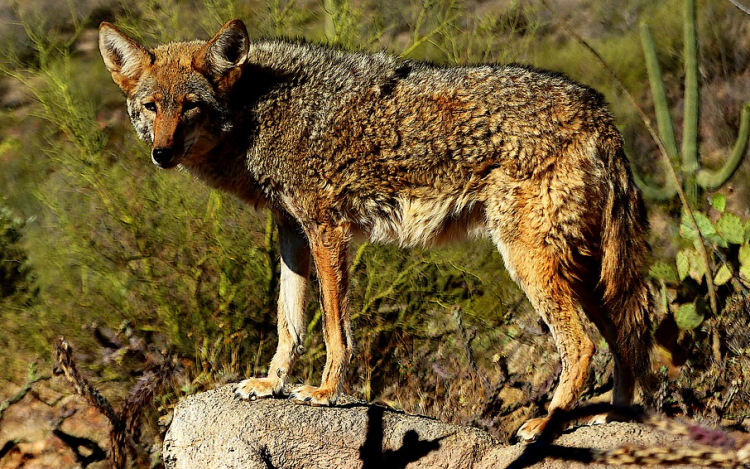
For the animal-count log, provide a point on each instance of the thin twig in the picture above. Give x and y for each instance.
(741, 7)
(466, 339)
(416, 40)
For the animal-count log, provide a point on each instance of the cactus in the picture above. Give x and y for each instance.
(728, 238)
(693, 176)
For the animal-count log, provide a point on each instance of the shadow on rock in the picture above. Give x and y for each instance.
(372, 454)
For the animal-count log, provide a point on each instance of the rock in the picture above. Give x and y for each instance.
(215, 430)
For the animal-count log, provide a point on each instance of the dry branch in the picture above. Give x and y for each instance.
(126, 421)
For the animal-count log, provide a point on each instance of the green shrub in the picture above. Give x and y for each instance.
(16, 277)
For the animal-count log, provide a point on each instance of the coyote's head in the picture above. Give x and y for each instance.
(178, 93)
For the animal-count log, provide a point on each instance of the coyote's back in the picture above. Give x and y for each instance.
(336, 143)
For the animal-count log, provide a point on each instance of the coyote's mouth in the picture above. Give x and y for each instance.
(169, 165)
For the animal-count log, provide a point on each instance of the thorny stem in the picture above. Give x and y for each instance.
(700, 244)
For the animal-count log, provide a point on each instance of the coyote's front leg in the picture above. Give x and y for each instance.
(295, 270)
(329, 250)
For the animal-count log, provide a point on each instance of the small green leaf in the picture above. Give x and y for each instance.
(688, 317)
(683, 264)
(686, 228)
(689, 263)
(747, 229)
(697, 267)
(723, 275)
(663, 271)
(223, 284)
(704, 225)
(744, 255)
(719, 202)
(730, 228)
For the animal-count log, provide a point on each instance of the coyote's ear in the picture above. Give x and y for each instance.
(124, 58)
(222, 58)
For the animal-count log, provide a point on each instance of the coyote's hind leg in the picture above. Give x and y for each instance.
(295, 270)
(540, 273)
(624, 373)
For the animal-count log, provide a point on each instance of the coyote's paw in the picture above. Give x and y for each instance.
(600, 419)
(531, 430)
(609, 417)
(313, 396)
(258, 388)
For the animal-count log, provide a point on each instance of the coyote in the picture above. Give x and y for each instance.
(337, 144)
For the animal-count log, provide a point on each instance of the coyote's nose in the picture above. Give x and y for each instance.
(162, 156)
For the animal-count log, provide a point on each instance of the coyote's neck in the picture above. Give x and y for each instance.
(228, 171)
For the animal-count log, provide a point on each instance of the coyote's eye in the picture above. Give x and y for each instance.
(190, 105)
(150, 106)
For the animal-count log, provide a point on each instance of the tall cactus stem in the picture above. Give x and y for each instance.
(694, 178)
(663, 118)
(710, 180)
(690, 165)
(659, 94)
(665, 192)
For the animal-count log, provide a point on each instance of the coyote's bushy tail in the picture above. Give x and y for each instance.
(624, 255)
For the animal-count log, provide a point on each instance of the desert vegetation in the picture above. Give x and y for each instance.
(139, 267)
